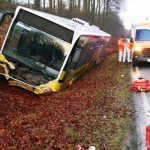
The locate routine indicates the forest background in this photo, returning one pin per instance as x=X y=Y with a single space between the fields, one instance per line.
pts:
x=102 y=13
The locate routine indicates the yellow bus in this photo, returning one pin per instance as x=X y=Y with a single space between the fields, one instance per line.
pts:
x=46 y=53
x=141 y=38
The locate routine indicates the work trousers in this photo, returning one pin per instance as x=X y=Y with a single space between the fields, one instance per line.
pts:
x=127 y=53
x=120 y=59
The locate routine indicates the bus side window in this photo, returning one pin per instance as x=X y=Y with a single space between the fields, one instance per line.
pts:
x=87 y=47
x=4 y=14
x=91 y=48
x=24 y=43
x=76 y=55
x=70 y=64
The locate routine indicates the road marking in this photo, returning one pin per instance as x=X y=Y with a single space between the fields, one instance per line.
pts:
x=145 y=103
x=146 y=107
x=137 y=72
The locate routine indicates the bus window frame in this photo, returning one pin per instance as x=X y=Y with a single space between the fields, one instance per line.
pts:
x=84 y=51
x=15 y=19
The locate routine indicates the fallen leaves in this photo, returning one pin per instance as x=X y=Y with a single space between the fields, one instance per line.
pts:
x=91 y=112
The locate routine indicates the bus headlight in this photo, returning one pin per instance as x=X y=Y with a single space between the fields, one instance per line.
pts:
x=47 y=89
x=137 y=48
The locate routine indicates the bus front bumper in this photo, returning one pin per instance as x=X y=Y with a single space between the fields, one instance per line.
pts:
x=6 y=66
x=141 y=59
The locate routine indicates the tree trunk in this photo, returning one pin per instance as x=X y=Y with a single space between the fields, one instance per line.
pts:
x=37 y=4
x=89 y=6
x=50 y=5
x=93 y=12
x=54 y=6
x=79 y=6
x=44 y=5
x=104 y=11
x=85 y=6
x=99 y=12
x=60 y=4
x=28 y=3
x=70 y=6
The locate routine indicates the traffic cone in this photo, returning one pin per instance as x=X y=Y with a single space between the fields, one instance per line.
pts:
x=140 y=85
x=148 y=137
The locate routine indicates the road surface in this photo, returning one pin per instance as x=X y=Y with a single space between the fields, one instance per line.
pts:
x=142 y=106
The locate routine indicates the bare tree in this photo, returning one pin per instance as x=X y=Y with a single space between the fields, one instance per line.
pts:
x=89 y=5
x=37 y=4
x=44 y=5
x=79 y=6
x=54 y=5
x=50 y=5
x=85 y=6
x=28 y=3
x=60 y=6
x=93 y=11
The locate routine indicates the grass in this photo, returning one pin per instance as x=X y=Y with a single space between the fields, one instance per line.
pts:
x=114 y=100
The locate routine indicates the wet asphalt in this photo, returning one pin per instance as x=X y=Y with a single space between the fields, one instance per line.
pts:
x=141 y=105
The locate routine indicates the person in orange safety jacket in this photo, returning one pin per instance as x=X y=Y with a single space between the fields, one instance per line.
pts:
x=131 y=47
x=120 y=49
x=127 y=51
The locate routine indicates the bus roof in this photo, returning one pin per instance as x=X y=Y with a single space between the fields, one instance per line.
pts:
x=75 y=24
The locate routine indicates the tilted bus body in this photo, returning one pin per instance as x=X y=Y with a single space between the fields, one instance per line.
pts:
x=141 y=39
x=45 y=53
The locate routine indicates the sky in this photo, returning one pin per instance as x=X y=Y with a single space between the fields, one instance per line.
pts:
x=135 y=11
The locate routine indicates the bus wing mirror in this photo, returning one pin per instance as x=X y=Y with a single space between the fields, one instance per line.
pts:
x=3 y=14
x=76 y=55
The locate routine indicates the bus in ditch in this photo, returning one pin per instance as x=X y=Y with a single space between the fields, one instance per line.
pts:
x=140 y=34
x=46 y=53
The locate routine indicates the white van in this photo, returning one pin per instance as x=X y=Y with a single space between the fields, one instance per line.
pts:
x=141 y=38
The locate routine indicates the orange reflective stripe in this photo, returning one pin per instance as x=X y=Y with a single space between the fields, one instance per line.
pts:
x=120 y=47
x=132 y=45
x=121 y=44
x=128 y=45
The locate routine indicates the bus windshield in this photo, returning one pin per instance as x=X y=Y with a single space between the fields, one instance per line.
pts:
x=35 y=53
x=142 y=35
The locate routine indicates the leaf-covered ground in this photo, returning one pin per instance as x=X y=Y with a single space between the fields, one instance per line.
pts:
x=94 y=111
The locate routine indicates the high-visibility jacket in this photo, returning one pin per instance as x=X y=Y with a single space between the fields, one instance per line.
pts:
x=121 y=44
x=131 y=45
x=127 y=44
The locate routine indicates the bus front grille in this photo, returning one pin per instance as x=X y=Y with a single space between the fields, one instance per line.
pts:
x=146 y=52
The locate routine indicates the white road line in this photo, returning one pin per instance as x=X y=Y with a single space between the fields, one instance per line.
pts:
x=146 y=107
x=145 y=103
x=137 y=71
